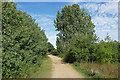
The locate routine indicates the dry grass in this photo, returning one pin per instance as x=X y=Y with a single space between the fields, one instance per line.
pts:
x=101 y=70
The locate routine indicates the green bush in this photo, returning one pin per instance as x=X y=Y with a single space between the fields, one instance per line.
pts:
x=23 y=42
x=69 y=56
x=107 y=52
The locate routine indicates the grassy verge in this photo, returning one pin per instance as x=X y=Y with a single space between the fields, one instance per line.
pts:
x=97 y=70
x=44 y=71
x=80 y=70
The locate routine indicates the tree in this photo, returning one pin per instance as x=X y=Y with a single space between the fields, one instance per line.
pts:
x=50 y=47
x=73 y=19
x=76 y=31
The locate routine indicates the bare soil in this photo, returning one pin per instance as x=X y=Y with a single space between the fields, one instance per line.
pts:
x=60 y=69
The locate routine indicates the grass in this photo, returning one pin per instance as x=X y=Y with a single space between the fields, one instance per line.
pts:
x=80 y=70
x=97 y=70
x=44 y=71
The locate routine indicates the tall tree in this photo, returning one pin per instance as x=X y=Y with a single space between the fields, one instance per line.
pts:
x=73 y=19
x=71 y=22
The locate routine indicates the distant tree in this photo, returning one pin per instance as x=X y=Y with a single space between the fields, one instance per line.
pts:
x=50 y=47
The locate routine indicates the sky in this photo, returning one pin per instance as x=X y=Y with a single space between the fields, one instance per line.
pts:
x=104 y=16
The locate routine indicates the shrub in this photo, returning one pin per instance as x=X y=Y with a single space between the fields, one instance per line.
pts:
x=24 y=43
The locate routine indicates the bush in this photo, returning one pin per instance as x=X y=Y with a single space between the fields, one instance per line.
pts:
x=107 y=52
x=69 y=56
x=24 y=43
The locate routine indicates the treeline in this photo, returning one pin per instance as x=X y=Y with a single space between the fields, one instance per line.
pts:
x=76 y=40
x=23 y=42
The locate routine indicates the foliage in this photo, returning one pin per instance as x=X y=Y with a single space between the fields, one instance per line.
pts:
x=54 y=52
x=24 y=43
x=50 y=47
x=43 y=71
x=106 y=52
x=76 y=33
x=77 y=41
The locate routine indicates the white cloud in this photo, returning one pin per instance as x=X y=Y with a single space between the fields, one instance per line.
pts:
x=106 y=8
x=50 y=16
x=75 y=1
x=92 y=7
x=105 y=21
x=114 y=26
x=105 y=18
x=109 y=8
x=43 y=19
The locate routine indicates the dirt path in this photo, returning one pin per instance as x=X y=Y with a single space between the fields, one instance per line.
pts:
x=63 y=70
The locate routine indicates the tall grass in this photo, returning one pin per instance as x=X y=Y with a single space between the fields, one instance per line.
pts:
x=98 y=70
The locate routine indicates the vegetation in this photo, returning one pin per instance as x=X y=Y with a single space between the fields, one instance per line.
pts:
x=23 y=42
x=44 y=71
x=76 y=33
x=97 y=70
x=50 y=47
x=77 y=39
x=77 y=42
x=0 y=58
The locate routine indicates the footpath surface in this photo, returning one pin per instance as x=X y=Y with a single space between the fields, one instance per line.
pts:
x=61 y=69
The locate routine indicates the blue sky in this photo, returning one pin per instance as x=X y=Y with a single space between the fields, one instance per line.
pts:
x=104 y=16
